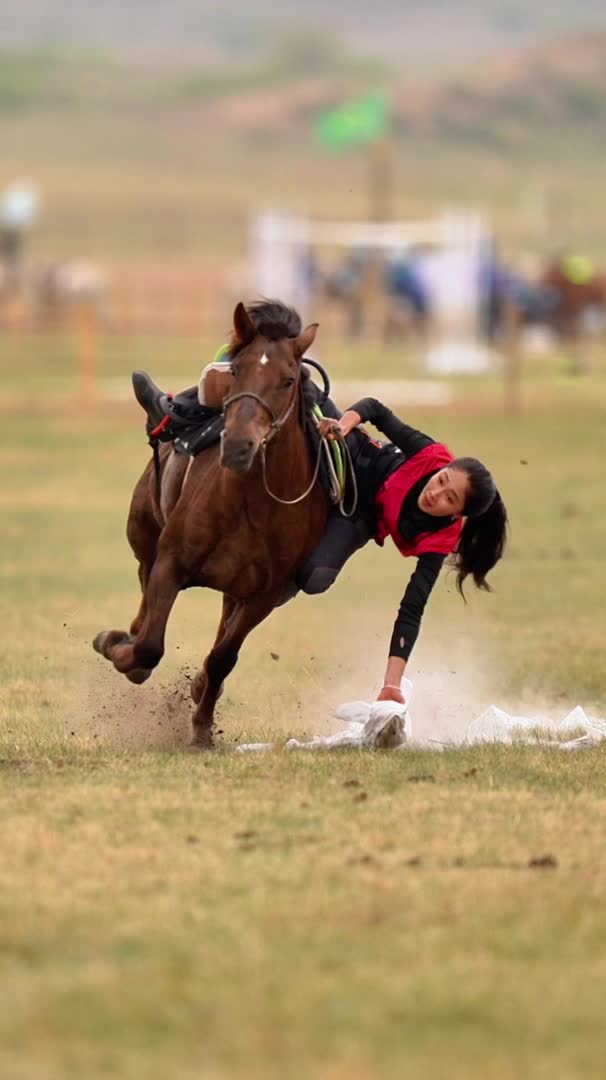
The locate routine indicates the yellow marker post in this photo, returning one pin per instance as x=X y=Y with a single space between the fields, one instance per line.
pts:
x=86 y=327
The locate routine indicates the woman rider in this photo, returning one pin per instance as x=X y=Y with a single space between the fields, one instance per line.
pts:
x=432 y=504
x=411 y=488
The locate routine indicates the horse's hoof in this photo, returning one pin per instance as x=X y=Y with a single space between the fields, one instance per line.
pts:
x=138 y=675
x=108 y=638
x=201 y=742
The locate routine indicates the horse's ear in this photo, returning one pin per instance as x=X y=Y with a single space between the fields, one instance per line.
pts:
x=244 y=329
x=305 y=339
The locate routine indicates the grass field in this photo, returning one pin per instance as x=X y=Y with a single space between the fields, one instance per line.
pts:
x=357 y=915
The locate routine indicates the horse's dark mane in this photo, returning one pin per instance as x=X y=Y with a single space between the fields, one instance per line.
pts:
x=308 y=391
x=273 y=319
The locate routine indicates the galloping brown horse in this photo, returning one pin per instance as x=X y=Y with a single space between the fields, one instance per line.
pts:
x=231 y=519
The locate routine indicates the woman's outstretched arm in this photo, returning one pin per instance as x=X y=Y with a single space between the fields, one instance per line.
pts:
x=408 y=622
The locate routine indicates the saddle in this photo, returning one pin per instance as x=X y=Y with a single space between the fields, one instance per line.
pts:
x=204 y=432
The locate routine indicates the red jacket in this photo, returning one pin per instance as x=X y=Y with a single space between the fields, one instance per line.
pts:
x=390 y=499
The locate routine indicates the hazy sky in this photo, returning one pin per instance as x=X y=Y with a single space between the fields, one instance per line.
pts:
x=207 y=27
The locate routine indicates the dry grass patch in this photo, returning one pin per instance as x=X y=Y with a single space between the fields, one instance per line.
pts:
x=260 y=915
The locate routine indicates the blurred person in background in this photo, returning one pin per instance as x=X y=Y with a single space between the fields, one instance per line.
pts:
x=410 y=302
x=18 y=211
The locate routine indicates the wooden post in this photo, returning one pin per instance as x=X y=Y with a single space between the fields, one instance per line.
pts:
x=380 y=209
x=381 y=179
x=513 y=358
x=87 y=350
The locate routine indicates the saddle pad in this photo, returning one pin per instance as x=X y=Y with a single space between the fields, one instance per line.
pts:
x=198 y=437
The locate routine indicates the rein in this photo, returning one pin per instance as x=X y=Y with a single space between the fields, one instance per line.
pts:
x=277 y=423
x=290 y=502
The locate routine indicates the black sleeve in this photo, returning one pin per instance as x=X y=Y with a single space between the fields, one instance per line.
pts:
x=406 y=627
x=406 y=438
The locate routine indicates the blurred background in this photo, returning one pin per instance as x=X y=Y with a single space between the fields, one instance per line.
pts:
x=425 y=180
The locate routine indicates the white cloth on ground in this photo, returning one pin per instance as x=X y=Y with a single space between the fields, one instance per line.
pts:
x=377 y=725
x=371 y=725
x=383 y=729
x=495 y=725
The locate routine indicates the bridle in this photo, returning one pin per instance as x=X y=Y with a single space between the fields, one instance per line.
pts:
x=277 y=422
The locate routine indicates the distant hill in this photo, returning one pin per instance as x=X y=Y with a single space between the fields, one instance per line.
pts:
x=516 y=95
x=521 y=95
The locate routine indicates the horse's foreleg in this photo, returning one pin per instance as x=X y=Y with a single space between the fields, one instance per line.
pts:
x=199 y=681
x=143 y=532
x=136 y=656
x=145 y=568
x=223 y=657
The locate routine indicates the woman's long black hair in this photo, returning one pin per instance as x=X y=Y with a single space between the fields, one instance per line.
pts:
x=484 y=534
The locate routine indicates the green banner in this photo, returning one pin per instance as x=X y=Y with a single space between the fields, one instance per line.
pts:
x=355 y=122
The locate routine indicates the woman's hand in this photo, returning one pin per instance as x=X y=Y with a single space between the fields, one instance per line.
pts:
x=392 y=681
x=392 y=693
x=331 y=429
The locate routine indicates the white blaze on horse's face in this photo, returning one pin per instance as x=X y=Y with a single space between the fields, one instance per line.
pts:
x=264 y=394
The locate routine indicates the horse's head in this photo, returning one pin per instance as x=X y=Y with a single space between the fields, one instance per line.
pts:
x=266 y=366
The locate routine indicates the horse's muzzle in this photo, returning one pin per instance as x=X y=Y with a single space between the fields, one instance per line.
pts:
x=237 y=454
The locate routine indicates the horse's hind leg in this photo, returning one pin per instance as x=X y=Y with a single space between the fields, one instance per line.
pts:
x=222 y=659
x=136 y=656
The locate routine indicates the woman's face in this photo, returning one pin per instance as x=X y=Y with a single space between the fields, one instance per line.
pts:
x=445 y=493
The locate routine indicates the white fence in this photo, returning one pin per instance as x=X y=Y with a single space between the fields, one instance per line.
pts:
x=448 y=255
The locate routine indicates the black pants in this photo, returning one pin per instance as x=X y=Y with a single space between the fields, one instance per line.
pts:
x=342 y=537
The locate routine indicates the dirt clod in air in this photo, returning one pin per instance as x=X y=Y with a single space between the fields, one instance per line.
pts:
x=542 y=862
x=361 y=860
